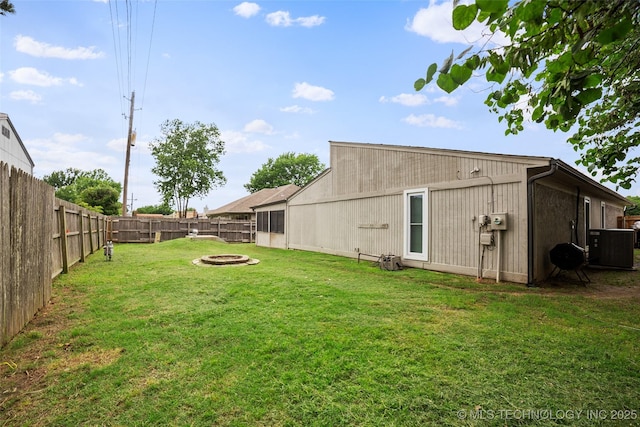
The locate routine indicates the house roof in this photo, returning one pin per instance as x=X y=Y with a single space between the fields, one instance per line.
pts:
x=4 y=116
x=265 y=196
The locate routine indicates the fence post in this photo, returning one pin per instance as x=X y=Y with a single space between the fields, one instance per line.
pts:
x=90 y=233
x=82 y=248
x=63 y=239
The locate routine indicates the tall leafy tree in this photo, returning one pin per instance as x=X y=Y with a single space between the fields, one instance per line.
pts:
x=93 y=189
x=6 y=7
x=62 y=178
x=288 y=168
x=570 y=65
x=104 y=196
x=635 y=209
x=187 y=157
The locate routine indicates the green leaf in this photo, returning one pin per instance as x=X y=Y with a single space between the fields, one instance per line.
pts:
x=463 y=16
x=447 y=64
x=494 y=76
x=419 y=84
x=492 y=6
x=538 y=114
x=617 y=32
x=446 y=83
x=588 y=96
x=460 y=74
x=500 y=64
x=592 y=80
x=531 y=11
x=431 y=71
x=473 y=62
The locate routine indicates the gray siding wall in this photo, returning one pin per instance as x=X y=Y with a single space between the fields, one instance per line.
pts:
x=455 y=231
x=368 y=169
x=358 y=207
x=369 y=225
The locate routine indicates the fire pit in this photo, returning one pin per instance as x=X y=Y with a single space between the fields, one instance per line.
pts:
x=225 y=259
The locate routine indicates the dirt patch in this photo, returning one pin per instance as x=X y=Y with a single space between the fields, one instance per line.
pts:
x=30 y=362
x=607 y=283
x=603 y=284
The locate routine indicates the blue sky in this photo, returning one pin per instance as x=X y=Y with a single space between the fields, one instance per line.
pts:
x=274 y=76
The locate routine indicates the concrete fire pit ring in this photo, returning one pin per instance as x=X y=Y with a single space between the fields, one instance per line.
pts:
x=224 y=259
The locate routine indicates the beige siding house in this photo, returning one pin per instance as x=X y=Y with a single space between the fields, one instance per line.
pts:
x=480 y=214
x=12 y=150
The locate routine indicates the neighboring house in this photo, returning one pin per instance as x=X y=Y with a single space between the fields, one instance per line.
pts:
x=241 y=209
x=12 y=150
x=426 y=205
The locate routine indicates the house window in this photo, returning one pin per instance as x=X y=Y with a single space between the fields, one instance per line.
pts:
x=603 y=219
x=587 y=219
x=270 y=221
x=276 y=222
x=263 y=221
x=5 y=132
x=415 y=217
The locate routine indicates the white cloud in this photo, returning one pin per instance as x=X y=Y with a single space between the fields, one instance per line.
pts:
x=283 y=18
x=279 y=19
x=32 y=47
x=26 y=95
x=31 y=76
x=118 y=144
x=246 y=9
x=68 y=150
x=166 y=55
x=312 y=93
x=406 y=99
x=432 y=121
x=435 y=23
x=238 y=142
x=449 y=101
x=1 y=77
x=310 y=21
x=258 y=126
x=296 y=109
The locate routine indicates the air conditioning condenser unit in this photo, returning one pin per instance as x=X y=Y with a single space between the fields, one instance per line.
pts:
x=611 y=247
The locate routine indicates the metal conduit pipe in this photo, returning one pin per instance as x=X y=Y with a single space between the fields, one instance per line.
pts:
x=553 y=163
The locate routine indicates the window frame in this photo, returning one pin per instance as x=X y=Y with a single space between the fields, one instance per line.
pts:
x=276 y=221
x=408 y=253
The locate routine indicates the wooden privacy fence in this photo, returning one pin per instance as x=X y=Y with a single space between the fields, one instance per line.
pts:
x=145 y=230
x=40 y=237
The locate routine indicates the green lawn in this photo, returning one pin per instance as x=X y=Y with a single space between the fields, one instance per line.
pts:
x=306 y=339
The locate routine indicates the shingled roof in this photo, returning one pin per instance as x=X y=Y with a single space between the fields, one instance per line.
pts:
x=263 y=197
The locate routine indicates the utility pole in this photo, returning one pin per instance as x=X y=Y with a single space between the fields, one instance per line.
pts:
x=128 y=158
x=131 y=204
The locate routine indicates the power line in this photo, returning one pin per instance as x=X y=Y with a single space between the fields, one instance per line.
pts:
x=128 y=58
x=146 y=73
x=115 y=23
